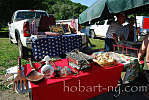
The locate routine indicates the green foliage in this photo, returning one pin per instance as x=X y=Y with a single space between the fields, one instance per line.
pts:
x=62 y=9
x=2 y=72
x=3 y=86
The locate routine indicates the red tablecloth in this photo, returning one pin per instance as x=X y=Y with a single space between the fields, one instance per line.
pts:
x=95 y=81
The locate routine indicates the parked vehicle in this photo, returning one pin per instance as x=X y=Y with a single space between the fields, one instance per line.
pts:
x=98 y=29
x=19 y=29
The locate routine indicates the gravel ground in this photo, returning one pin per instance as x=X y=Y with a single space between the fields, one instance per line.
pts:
x=8 y=93
x=11 y=95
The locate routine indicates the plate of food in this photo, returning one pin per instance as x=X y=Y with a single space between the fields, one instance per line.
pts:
x=104 y=59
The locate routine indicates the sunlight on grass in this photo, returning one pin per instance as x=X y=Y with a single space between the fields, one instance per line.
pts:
x=8 y=53
x=99 y=43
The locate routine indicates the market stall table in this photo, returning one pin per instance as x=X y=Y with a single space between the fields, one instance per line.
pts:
x=131 y=65
x=94 y=81
x=55 y=45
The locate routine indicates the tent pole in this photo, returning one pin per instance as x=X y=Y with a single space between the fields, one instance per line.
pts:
x=136 y=26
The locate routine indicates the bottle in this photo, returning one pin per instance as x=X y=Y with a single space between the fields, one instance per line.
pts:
x=47 y=70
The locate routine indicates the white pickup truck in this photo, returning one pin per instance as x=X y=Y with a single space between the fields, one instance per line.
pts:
x=98 y=29
x=19 y=29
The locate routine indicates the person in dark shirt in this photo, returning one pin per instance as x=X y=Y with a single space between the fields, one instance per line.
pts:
x=130 y=31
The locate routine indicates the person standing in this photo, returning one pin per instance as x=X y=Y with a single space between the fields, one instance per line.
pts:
x=130 y=30
x=144 y=50
x=115 y=30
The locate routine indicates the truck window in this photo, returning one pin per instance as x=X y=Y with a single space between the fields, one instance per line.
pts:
x=25 y=15
x=39 y=14
x=29 y=15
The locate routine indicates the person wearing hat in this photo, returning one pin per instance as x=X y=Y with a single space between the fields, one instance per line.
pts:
x=114 y=31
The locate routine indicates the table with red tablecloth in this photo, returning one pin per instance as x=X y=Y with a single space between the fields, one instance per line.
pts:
x=89 y=83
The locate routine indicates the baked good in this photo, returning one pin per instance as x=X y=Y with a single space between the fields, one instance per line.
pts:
x=104 y=59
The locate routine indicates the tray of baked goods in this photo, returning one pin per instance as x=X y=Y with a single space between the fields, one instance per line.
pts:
x=104 y=59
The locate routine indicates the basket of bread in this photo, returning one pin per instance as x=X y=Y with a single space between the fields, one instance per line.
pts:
x=104 y=59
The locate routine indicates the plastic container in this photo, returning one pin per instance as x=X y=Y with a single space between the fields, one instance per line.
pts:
x=47 y=70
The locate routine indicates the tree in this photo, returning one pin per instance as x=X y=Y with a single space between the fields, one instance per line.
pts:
x=7 y=7
x=65 y=9
x=62 y=9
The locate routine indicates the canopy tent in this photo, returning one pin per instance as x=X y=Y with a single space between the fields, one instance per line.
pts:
x=102 y=9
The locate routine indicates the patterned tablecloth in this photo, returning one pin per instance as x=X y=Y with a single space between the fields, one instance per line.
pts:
x=131 y=66
x=55 y=46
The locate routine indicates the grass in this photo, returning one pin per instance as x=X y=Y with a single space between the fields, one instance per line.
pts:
x=8 y=53
x=99 y=43
x=8 y=58
x=4 y=29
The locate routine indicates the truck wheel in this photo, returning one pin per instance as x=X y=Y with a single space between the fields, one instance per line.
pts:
x=23 y=53
x=92 y=33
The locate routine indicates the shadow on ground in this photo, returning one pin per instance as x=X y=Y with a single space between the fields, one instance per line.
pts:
x=135 y=90
x=129 y=96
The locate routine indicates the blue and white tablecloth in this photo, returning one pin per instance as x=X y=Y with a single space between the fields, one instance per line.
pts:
x=55 y=46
